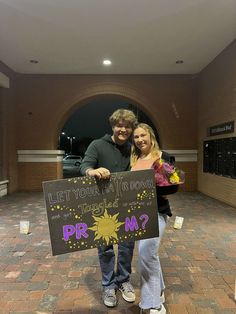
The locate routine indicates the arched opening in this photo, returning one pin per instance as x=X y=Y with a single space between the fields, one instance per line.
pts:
x=91 y=121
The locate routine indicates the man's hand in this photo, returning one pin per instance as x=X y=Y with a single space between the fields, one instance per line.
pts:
x=100 y=173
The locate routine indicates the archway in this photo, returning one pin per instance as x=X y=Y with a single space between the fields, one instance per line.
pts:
x=90 y=120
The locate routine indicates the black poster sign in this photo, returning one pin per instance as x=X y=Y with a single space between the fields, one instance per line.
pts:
x=224 y=128
x=84 y=213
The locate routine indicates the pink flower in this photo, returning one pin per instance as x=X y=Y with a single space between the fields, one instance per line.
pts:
x=166 y=174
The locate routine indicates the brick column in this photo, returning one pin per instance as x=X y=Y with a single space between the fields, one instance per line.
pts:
x=186 y=160
x=36 y=166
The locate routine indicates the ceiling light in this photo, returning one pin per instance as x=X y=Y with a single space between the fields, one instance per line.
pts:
x=106 y=62
x=179 y=61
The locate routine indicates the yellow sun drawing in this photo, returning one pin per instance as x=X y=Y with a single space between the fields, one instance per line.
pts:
x=106 y=227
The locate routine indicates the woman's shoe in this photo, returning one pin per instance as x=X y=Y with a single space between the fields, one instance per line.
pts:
x=162 y=310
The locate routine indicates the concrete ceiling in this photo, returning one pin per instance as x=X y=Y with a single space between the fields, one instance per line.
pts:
x=139 y=36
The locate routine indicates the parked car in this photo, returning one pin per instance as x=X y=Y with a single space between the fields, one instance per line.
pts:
x=72 y=160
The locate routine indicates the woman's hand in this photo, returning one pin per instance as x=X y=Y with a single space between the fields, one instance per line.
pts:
x=100 y=173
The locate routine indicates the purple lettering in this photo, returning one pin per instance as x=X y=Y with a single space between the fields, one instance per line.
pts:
x=81 y=230
x=145 y=219
x=131 y=224
x=68 y=231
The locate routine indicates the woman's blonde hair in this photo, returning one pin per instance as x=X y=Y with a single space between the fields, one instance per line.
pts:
x=155 y=150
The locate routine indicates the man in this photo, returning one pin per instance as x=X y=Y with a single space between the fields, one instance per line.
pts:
x=111 y=153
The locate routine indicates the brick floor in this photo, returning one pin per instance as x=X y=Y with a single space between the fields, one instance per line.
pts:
x=198 y=261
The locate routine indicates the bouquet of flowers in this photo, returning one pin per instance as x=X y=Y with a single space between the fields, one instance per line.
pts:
x=167 y=175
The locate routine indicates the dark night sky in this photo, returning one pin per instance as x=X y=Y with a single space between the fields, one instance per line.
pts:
x=92 y=120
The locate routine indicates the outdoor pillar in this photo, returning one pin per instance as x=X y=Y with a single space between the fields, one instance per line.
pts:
x=36 y=166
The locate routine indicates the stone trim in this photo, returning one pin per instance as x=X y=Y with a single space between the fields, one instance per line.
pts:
x=3 y=187
x=57 y=155
x=40 y=155
x=4 y=81
x=184 y=155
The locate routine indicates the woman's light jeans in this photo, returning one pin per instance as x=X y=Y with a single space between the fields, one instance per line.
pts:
x=152 y=283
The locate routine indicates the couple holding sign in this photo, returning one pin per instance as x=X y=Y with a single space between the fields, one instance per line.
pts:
x=113 y=153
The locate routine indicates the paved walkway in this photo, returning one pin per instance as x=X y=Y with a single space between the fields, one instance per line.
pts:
x=199 y=262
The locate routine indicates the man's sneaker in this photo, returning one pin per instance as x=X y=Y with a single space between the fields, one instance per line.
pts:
x=109 y=297
x=162 y=297
x=162 y=310
x=127 y=291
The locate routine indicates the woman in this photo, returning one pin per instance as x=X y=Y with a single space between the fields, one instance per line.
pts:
x=145 y=151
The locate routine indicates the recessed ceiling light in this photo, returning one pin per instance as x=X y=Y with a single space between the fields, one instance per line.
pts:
x=179 y=61
x=106 y=62
x=34 y=61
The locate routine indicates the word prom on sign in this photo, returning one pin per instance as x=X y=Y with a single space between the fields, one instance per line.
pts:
x=80 y=229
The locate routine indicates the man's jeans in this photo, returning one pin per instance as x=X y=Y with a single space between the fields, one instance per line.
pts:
x=110 y=278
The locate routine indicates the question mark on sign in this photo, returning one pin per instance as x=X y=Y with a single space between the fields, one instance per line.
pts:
x=144 y=219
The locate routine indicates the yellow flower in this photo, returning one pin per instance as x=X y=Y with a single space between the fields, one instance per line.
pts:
x=174 y=178
x=160 y=161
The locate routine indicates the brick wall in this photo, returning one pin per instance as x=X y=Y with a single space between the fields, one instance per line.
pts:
x=181 y=107
x=32 y=174
x=217 y=104
x=190 y=169
x=42 y=104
